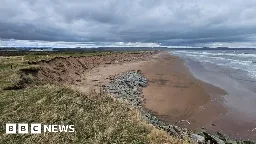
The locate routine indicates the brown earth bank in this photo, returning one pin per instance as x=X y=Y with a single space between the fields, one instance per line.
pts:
x=72 y=70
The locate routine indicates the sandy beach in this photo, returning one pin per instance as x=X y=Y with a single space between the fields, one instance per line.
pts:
x=176 y=96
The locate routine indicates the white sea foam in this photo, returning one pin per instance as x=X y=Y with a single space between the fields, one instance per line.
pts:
x=236 y=60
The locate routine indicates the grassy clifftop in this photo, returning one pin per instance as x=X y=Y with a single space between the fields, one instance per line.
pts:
x=97 y=118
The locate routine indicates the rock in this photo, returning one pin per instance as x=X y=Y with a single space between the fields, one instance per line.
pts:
x=213 y=138
x=127 y=87
x=222 y=136
x=248 y=142
x=231 y=142
x=198 y=138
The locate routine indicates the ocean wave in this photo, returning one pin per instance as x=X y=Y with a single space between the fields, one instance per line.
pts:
x=238 y=60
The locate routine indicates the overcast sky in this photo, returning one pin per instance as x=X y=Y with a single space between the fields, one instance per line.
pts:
x=128 y=22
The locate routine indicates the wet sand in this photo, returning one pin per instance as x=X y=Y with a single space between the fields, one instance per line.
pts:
x=240 y=120
x=175 y=96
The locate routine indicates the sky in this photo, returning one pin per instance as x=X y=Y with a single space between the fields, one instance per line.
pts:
x=92 y=23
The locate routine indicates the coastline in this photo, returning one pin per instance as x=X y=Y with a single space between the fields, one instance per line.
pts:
x=174 y=100
x=173 y=93
x=175 y=96
x=239 y=122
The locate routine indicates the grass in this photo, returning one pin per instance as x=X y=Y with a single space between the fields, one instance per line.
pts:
x=97 y=119
x=37 y=56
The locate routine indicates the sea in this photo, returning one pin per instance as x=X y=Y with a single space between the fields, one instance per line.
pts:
x=235 y=72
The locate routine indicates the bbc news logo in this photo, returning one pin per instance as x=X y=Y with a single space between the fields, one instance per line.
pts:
x=22 y=128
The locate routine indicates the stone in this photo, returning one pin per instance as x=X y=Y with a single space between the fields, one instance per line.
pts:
x=198 y=138
x=213 y=138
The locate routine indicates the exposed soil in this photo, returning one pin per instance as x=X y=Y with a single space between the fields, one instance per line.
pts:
x=72 y=70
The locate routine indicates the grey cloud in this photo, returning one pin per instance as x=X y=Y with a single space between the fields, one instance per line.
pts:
x=178 y=22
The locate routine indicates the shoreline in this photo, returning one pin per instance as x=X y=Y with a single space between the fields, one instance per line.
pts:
x=239 y=122
x=176 y=96
x=122 y=87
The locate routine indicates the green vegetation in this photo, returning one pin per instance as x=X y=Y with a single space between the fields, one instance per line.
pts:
x=97 y=118
x=36 y=56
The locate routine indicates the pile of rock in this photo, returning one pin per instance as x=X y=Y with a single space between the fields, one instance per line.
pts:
x=127 y=86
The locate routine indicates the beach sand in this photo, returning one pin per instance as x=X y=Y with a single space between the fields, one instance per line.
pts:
x=175 y=96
